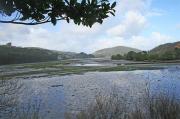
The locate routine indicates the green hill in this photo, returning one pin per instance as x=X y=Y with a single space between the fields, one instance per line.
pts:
x=72 y=55
x=165 y=52
x=168 y=47
x=108 y=52
x=14 y=55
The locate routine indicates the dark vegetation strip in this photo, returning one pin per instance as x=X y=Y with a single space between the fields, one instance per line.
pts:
x=167 y=56
x=50 y=70
x=113 y=106
x=15 y=55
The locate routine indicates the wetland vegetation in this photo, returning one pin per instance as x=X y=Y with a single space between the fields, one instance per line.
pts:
x=59 y=88
x=65 y=67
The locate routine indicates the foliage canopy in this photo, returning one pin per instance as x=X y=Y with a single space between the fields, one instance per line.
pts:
x=14 y=55
x=146 y=56
x=33 y=12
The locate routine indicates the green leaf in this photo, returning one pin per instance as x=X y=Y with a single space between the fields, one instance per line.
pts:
x=83 y=2
x=112 y=13
x=89 y=2
x=94 y=2
x=86 y=12
x=67 y=2
x=53 y=20
x=100 y=21
x=72 y=2
x=113 y=5
x=67 y=20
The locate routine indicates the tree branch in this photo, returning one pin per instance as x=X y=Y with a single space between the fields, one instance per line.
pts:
x=36 y=23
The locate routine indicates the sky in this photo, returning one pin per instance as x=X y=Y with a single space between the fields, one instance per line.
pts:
x=142 y=24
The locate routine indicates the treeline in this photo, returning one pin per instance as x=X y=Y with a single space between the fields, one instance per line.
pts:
x=83 y=55
x=13 y=55
x=71 y=55
x=148 y=56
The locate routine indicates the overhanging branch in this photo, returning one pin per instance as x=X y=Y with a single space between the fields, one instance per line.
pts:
x=25 y=23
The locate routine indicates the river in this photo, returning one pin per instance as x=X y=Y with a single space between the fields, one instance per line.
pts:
x=53 y=96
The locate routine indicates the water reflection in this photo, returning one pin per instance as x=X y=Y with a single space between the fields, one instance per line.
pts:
x=51 y=97
x=9 y=90
x=12 y=106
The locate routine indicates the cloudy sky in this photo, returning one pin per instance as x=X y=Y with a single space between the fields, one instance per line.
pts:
x=141 y=24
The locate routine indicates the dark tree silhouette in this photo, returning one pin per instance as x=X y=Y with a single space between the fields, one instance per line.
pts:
x=33 y=12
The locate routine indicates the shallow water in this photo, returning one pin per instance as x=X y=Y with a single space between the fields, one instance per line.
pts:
x=72 y=93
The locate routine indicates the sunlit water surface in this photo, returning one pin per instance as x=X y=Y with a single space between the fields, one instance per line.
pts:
x=72 y=93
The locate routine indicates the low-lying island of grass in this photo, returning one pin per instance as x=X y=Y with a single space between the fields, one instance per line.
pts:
x=44 y=69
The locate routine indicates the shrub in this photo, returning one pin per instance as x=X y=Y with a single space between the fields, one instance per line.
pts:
x=149 y=107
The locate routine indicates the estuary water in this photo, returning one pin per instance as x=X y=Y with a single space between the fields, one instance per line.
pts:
x=53 y=96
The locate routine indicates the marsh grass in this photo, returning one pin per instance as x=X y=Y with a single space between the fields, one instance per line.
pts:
x=9 y=90
x=158 y=106
x=62 y=68
x=31 y=110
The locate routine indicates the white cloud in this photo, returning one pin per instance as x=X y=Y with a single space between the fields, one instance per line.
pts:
x=125 y=29
x=132 y=25
x=72 y=38
x=155 y=12
x=133 y=20
x=67 y=40
x=133 y=5
x=149 y=42
x=178 y=26
x=139 y=42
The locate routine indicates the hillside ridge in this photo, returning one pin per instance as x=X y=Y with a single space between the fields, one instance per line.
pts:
x=167 y=47
x=108 y=52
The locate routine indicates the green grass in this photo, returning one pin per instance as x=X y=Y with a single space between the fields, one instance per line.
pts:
x=115 y=106
x=61 y=68
x=53 y=64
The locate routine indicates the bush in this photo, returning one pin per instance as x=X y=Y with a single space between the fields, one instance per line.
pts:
x=150 y=107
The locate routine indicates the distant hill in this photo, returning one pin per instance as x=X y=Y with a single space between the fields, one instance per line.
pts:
x=73 y=55
x=13 y=55
x=108 y=52
x=168 y=47
x=61 y=54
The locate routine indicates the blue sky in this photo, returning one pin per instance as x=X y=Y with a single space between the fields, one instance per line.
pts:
x=142 y=24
